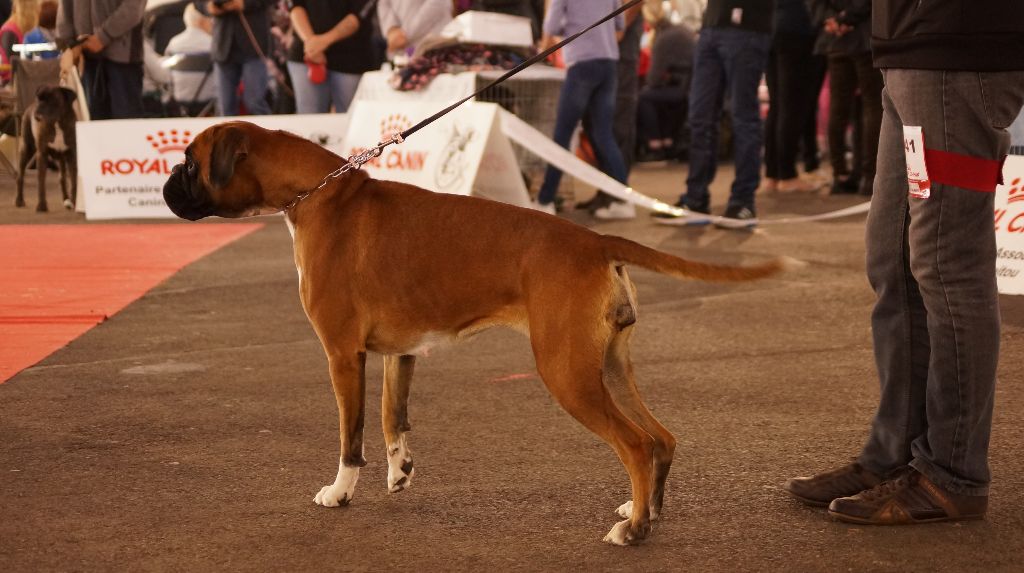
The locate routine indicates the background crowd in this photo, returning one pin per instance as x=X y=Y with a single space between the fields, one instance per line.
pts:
x=688 y=80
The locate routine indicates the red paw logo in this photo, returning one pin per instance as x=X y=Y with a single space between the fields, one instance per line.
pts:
x=392 y=124
x=170 y=140
x=1016 y=191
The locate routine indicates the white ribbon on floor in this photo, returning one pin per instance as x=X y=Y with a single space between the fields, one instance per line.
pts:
x=537 y=143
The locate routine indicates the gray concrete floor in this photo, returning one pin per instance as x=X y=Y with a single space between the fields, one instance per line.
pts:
x=191 y=431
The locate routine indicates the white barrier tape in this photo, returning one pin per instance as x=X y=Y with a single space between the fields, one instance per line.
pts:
x=540 y=145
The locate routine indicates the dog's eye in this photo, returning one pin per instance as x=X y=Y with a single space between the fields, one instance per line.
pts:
x=190 y=167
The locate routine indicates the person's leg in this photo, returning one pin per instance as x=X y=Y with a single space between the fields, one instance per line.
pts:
x=124 y=84
x=572 y=102
x=343 y=89
x=747 y=55
x=952 y=256
x=869 y=81
x=255 y=79
x=775 y=101
x=793 y=88
x=309 y=97
x=96 y=94
x=601 y=111
x=228 y=75
x=898 y=322
x=842 y=85
x=705 y=110
x=810 y=154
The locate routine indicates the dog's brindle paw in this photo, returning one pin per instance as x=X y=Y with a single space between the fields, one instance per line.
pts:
x=623 y=534
x=69 y=205
x=400 y=466
x=42 y=208
x=19 y=202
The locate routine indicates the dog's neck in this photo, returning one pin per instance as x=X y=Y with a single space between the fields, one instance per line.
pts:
x=284 y=185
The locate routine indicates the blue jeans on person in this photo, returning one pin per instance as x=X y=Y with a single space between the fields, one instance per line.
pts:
x=252 y=73
x=339 y=88
x=932 y=265
x=589 y=89
x=726 y=60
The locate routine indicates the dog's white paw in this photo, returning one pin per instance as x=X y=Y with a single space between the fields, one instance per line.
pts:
x=69 y=205
x=330 y=496
x=620 y=534
x=400 y=466
x=625 y=511
x=341 y=491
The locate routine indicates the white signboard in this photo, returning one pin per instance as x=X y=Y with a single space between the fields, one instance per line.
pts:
x=463 y=153
x=123 y=164
x=1009 y=220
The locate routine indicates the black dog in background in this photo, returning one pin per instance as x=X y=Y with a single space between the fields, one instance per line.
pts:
x=48 y=132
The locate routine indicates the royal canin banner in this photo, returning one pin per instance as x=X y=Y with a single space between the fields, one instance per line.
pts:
x=1009 y=221
x=123 y=164
x=463 y=153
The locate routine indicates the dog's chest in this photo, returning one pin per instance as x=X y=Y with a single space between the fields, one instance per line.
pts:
x=58 y=143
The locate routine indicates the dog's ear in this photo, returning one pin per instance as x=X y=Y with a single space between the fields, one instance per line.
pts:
x=70 y=96
x=41 y=89
x=231 y=147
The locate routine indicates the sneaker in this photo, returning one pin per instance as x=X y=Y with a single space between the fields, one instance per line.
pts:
x=908 y=499
x=737 y=217
x=617 y=210
x=820 y=489
x=693 y=218
x=548 y=208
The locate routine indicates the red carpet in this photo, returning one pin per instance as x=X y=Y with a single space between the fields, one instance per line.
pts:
x=58 y=281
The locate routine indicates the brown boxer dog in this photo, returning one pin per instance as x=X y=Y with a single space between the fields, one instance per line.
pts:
x=395 y=269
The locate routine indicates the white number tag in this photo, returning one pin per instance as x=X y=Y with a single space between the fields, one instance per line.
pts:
x=917 y=171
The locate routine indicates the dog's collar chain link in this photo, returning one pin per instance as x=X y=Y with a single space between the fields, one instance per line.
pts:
x=354 y=162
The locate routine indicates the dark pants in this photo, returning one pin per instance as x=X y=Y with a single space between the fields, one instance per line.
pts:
x=113 y=89
x=252 y=75
x=589 y=89
x=734 y=60
x=931 y=263
x=809 y=151
x=848 y=76
x=627 y=92
x=660 y=112
x=790 y=78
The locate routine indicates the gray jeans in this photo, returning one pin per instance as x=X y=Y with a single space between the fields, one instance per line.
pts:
x=931 y=263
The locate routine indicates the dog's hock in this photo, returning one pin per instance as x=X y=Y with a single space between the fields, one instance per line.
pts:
x=342 y=490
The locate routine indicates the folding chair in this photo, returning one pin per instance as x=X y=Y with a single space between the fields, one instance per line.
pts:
x=192 y=63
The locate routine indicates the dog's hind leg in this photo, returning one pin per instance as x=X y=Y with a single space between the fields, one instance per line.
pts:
x=570 y=363
x=349 y=382
x=26 y=150
x=395 y=419
x=41 y=167
x=621 y=383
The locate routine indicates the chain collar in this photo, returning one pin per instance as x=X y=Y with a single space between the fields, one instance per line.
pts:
x=354 y=162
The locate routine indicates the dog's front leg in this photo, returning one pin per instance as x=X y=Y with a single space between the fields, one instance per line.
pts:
x=68 y=201
x=41 y=168
x=349 y=382
x=395 y=418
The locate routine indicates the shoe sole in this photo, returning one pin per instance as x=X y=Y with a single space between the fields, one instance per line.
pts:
x=866 y=521
x=808 y=501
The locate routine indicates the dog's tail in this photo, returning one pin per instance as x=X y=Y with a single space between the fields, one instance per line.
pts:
x=619 y=250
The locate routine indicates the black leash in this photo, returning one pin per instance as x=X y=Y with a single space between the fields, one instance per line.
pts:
x=357 y=161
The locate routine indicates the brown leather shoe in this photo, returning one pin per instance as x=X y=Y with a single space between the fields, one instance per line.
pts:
x=908 y=499
x=820 y=489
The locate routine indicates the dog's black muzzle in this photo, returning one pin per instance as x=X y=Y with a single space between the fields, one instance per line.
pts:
x=185 y=198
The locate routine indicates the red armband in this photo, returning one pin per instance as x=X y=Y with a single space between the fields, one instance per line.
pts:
x=964 y=171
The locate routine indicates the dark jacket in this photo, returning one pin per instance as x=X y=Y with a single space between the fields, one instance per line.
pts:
x=755 y=15
x=856 y=13
x=231 y=42
x=117 y=23
x=966 y=35
x=354 y=54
